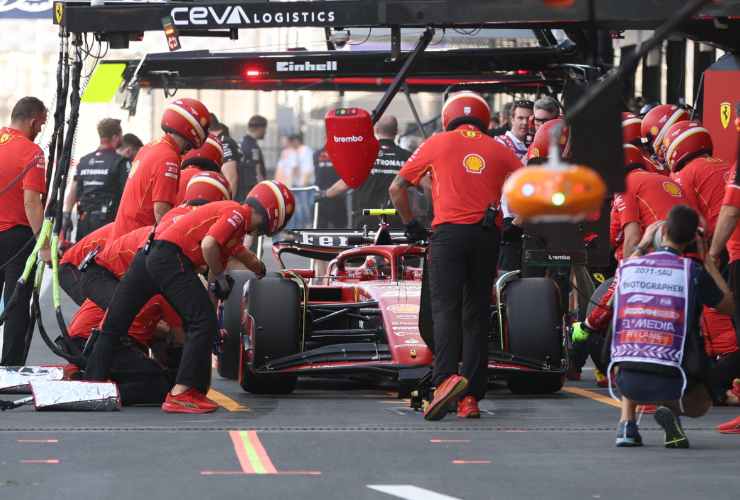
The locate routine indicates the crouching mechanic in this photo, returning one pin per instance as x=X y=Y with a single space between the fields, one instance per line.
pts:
x=656 y=344
x=468 y=169
x=75 y=260
x=140 y=378
x=205 y=237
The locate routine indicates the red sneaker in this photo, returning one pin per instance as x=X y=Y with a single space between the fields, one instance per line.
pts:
x=467 y=407
x=647 y=409
x=445 y=392
x=190 y=401
x=731 y=427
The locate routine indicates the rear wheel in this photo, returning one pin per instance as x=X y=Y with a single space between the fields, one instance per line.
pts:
x=228 y=358
x=274 y=303
x=534 y=324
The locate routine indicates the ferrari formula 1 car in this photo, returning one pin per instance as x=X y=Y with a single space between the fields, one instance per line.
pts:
x=366 y=318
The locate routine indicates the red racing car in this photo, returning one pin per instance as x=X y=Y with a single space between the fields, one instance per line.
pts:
x=366 y=319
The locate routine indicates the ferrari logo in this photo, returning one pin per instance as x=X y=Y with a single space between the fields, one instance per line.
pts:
x=672 y=189
x=5 y=138
x=473 y=163
x=470 y=134
x=58 y=12
x=725 y=112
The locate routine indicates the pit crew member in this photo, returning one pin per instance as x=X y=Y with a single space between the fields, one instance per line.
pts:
x=140 y=379
x=374 y=191
x=468 y=169
x=654 y=127
x=22 y=187
x=656 y=342
x=231 y=154
x=70 y=274
x=151 y=189
x=207 y=236
x=130 y=146
x=207 y=158
x=98 y=184
x=105 y=269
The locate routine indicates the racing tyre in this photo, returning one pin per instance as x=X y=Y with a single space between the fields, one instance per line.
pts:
x=228 y=358
x=534 y=325
x=275 y=305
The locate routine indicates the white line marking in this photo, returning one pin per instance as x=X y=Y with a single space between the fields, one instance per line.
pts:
x=409 y=492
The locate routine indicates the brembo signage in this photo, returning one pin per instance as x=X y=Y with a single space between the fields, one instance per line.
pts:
x=238 y=15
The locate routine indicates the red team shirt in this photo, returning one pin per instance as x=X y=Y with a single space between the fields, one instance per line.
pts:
x=90 y=316
x=468 y=171
x=18 y=156
x=117 y=256
x=154 y=178
x=732 y=198
x=226 y=221
x=185 y=176
x=79 y=250
x=703 y=181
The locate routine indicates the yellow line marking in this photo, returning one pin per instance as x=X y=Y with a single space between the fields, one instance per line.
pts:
x=592 y=395
x=226 y=402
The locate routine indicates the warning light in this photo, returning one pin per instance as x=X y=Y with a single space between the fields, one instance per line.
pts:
x=522 y=72
x=558 y=199
x=252 y=73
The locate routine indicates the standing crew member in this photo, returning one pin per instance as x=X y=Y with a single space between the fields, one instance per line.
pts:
x=374 y=191
x=151 y=189
x=468 y=170
x=98 y=184
x=207 y=236
x=22 y=187
x=251 y=169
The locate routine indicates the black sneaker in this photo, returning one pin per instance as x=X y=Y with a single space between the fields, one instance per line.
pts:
x=628 y=434
x=675 y=437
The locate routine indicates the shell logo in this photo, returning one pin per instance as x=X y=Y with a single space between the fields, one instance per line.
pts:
x=474 y=163
x=5 y=138
x=672 y=189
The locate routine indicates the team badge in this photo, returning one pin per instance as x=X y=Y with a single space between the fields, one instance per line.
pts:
x=5 y=138
x=672 y=189
x=58 y=12
x=725 y=113
x=473 y=163
x=470 y=134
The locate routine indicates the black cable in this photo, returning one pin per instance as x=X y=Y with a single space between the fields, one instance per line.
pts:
x=369 y=32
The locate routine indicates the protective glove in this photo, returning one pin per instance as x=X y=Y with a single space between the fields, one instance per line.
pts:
x=221 y=286
x=511 y=233
x=416 y=232
x=262 y=271
x=580 y=332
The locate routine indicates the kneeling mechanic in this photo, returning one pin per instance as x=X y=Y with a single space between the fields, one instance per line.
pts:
x=207 y=236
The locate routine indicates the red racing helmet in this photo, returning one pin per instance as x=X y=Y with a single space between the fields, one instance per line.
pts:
x=208 y=186
x=540 y=147
x=465 y=107
x=685 y=141
x=276 y=201
x=189 y=119
x=631 y=129
x=657 y=122
x=633 y=157
x=209 y=156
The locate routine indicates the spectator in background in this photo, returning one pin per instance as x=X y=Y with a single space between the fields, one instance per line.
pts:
x=494 y=123
x=504 y=118
x=546 y=108
x=232 y=155
x=296 y=170
x=130 y=145
x=516 y=138
x=252 y=167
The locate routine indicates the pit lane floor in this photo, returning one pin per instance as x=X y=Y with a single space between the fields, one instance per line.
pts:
x=332 y=440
